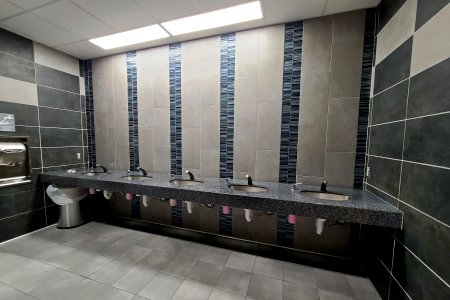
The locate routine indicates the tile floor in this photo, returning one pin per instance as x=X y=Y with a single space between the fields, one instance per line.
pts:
x=99 y=261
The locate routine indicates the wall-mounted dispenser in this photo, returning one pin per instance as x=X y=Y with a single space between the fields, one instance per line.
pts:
x=15 y=167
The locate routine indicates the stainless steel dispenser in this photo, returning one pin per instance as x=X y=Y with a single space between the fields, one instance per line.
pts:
x=14 y=161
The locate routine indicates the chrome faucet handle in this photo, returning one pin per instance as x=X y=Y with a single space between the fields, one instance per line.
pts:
x=128 y=172
x=172 y=176
x=294 y=185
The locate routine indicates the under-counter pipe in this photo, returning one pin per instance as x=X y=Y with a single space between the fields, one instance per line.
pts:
x=319 y=225
x=107 y=194
x=248 y=214
x=145 y=200
x=189 y=206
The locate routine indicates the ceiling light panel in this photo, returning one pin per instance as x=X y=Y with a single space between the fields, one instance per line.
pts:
x=131 y=37
x=223 y=17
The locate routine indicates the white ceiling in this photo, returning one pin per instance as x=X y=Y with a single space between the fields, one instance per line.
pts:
x=68 y=25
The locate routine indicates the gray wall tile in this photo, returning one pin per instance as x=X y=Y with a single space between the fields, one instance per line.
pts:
x=390 y=105
x=16 y=68
x=57 y=79
x=339 y=168
x=58 y=99
x=387 y=140
x=16 y=45
x=50 y=117
x=342 y=124
x=317 y=35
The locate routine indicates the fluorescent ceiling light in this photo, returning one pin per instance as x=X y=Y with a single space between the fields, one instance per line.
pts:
x=135 y=36
x=232 y=15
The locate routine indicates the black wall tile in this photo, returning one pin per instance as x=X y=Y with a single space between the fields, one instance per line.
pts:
x=57 y=79
x=394 y=68
x=54 y=137
x=426 y=9
x=427 y=189
x=427 y=239
x=16 y=45
x=396 y=292
x=21 y=202
x=52 y=212
x=387 y=140
x=31 y=132
x=16 y=68
x=35 y=157
x=50 y=117
x=23 y=114
x=387 y=10
x=427 y=140
x=379 y=242
x=390 y=105
x=58 y=99
x=384 y=174
x=429 y=92
x=83 y=103
x=382 y=195
x=377 y=273
x=415 y=278
x=21 y=224
x=60 y=156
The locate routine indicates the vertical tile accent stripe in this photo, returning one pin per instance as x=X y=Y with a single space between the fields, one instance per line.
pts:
x=90 y=126
x=364 y=100
x=227 y=74
x=133 y=136
x=175 y=107
x=293 y=37
x=290 y=109
x=175 y=124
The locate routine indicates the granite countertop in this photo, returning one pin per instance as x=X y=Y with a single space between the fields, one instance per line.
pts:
x=362 y=207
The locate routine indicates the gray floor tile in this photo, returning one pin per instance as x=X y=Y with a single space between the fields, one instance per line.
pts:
x=333 y=281
x=81 y=240
x=299 y=274
x=262 y=287
x=133 y=254
x=217 y=294
x=156 y=260
x=362 y=288
x=21 y=270
x=35 y=278
x=115 y=249
x=87 y=289
x=45 y=250
x=216 y=256
x=111 y=272
x=58 y=235
x=138 y=298
x=193 y=250
x=152 y=241
x=329 y=295
x=268 y=267
x=21 y=243
x=56 y=288
x=234 y=281
x=295 y=291
x=10 y=293
x=172 y=246
x=179 y=266
x=241 y=261
x=206 y=273
x=192 y=291
x=135 y=279
x=9 y=260
x=161 y=287
x=96 y=246
x=111 y=293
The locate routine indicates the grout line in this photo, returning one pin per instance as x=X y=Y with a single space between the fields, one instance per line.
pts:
x=77 y=111
x=25 y=212
x=57 y=147
x=61 y=128
x=29 y=233
x=374 y=95
x=403 y=144
x=409 y=161
x=412 y=118
x=53 y=88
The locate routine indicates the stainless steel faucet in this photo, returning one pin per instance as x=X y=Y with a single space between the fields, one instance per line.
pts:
x=249 y=180
x=142 y=170
x=191 y=176
x=105 y=170
x=323 y=187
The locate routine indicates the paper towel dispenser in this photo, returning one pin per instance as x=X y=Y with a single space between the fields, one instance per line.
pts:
x=14 y=161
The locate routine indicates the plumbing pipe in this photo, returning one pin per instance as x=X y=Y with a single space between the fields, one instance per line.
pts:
x=92 y=191
x=226 y=210
x=248 y=214
x=107 y=194
x=145 y=200
x=173 y=202
x=319 y=225
x=129 y=196
x=292 y=219
x=189 y=206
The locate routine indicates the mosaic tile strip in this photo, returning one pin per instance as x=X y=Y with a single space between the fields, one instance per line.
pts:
x=293 y=40
x=176 y=214
x=175 y=107
x=90 y=126
x=133 y=134
x=225 y=222
x=364 y=98
x=293 y=37
x=227 y=74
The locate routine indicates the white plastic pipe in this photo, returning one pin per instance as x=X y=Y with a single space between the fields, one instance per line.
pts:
x=319 y=225
x=189 y=206
x=248 y=214
x=107 y=194
x=145 y=200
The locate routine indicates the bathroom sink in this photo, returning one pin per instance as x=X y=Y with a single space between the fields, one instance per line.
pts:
x=185 y=182
x=326 y=195
x=94 y=173
x=136 y=177
x=247 y=188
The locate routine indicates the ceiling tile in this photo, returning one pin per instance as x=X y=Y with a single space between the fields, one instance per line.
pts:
x=218 y=4
x=72 y=18
x=119 y=14
x=169 y=9
x=291 y=10
x=41 y=30
x=28 y=4
x=7 y=9
x=338 y=6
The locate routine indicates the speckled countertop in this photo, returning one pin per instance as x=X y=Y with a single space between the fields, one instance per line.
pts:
x=362 y=207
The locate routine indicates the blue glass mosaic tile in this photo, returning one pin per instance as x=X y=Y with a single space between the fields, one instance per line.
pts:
x=90 y=126
x=364 y=100
x=175 y=107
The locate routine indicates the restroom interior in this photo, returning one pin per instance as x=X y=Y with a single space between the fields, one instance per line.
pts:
x=349 y=92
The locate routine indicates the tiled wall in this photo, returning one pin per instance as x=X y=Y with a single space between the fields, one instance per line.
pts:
x=43 y=89
x=228 y=106
x=408 y=150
